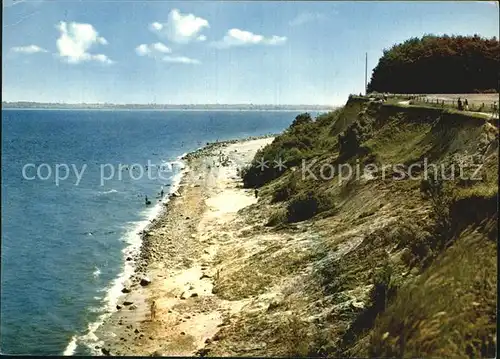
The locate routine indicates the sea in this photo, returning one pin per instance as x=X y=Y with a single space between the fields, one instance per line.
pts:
x=73 y=193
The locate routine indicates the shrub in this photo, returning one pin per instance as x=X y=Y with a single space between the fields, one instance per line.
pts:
x=242 y=172
x=302 y=119
x=286 y=190
x=441 y=196
x=417 y=239
x=383 y=291
x=383 y=288
x=277 y=217
x=304 y=139
x=307 y=205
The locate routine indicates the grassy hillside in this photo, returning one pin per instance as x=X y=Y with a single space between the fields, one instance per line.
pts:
x=399 y=260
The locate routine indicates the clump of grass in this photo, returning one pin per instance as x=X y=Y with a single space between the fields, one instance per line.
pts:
x=285 y=190
x=383 y=291
x=416 y=238
x=307 y=204
x=450 y=311
x=301 y=207
x=279 y=216
x=277 y=335
x=293 y=331
x=384 y=288
x=440 y=193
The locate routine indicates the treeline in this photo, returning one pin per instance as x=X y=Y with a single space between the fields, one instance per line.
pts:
x=439 y=64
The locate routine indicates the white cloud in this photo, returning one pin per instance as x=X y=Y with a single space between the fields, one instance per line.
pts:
x=237 y=37
x=306 y=17
x=158 y=51
x=30 y=49
x=181 y=60
x=76 y=39
x=275 y=40
x=142 y=50
x=181 y=28
x=101 y=58
x=102 y=40
x=161 y=48
x=152 y=50
x=156 y=26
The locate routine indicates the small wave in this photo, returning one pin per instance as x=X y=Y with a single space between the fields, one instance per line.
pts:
x=96 y=310
x=134 y=241
x=108 y=192
x=96 y=273
x=71 y=348
x=171 y=166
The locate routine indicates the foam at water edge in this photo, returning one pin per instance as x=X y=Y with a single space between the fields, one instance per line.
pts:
x=108 y=192
x=114 y=292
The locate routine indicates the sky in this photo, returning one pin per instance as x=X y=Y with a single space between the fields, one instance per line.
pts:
x=213 y=52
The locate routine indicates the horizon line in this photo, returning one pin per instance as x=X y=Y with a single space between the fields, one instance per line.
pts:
x=161 y=104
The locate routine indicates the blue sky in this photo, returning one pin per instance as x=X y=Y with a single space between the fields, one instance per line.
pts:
x=212 y=52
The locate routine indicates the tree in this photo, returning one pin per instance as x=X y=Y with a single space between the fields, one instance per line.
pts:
x=438 y=64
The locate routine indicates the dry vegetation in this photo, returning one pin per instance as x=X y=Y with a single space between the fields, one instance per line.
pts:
x=388 y=267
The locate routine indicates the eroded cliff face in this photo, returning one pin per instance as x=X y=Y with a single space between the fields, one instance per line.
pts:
x=397 y=259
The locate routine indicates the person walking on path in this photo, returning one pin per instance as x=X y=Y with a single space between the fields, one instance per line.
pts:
x=153 y=310
x=466 y=105
x=459 y=103
x=495 y=110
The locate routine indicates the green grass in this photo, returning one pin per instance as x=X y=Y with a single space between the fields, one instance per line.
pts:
x=429 y=269
x=399 y=142
x=450 y=311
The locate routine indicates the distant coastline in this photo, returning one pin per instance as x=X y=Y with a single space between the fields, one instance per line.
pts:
x=201 y=107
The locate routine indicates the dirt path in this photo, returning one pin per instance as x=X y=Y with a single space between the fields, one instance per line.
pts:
x=486 y=114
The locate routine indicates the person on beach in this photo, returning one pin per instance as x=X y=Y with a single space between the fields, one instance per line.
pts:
x=161 y=193
x=459 y=103
x=153 y=310
x=147 y=201
x=466 y=105
x=256 y=193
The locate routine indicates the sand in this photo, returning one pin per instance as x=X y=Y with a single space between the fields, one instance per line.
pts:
x=179 y=257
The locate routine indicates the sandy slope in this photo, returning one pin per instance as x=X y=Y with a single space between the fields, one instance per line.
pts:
x=179 y=255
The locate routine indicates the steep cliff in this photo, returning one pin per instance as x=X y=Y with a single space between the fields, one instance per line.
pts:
x=378 y=237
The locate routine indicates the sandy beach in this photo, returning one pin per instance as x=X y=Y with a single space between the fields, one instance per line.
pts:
x=168 y=306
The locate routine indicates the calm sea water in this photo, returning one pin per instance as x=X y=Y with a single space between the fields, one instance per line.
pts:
x=63 y=246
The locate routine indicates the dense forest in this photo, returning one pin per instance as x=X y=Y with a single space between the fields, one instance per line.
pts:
x=439 y=64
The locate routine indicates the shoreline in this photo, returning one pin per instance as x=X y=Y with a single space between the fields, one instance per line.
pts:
x=130 y=255
x=132 y=305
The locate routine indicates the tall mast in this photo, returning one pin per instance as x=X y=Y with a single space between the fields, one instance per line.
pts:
x=366 y=73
